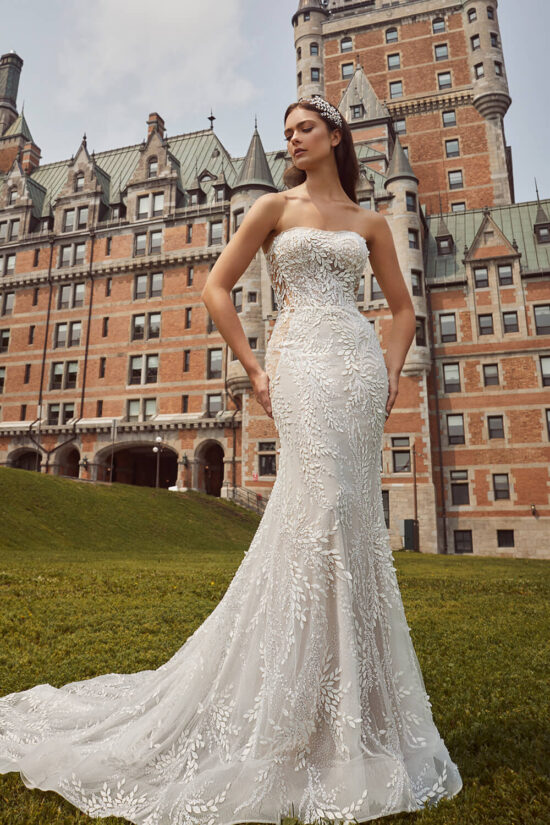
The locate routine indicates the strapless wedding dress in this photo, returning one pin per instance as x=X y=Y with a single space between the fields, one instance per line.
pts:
x=301 y=693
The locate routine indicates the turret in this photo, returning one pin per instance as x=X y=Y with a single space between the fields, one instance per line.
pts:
x=308 y=42
x=10 y=71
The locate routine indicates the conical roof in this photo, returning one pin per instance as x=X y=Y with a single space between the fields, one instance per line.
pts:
x=399 y=165
x=255 y=168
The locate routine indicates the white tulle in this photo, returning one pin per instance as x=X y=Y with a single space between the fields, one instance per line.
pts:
x=301 y=692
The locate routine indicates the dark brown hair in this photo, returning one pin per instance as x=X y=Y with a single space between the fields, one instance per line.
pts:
x=345 y=156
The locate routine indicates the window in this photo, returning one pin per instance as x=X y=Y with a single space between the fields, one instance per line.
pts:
x=494 y=40
x=155 y=241
x=347 y=70
x=75 y=333
x=459 y=206
x=346 y=44
x=3 y=231
x=360 y=297
x=102 y=364
x=185 y=403
x=447 y=327
x=490 y=13
x=136 y=369
x=394 y=61
x=495 y=426
x=505 y=538
x=542 y=319
x=31 y=334
x=472 y=15
x=490 y=375
x=510 y=321
x=14 y=229
x=481 y=277
x=216 y=230
x=82 y=217
x=401 y=454
x=132 y=409
x=501 y=488
x=151 y=369
x=35 y=293
x=105 y=327
x=153 y=325
x=455 y=179
x=411 y=201
x=79 y=253
x=68 y=220
x=400 y=126
x=376 y=291
x=158 y=203
x=10 y=265
x=455 y=428
x=149 y=408
x=213 y=404
x=7 y=303
x=79 y=182
x=475 y=42
x=237 y=219
x=413 y=238
x=2 y=378
x=299 y=78
x=420 y=332
x=71 y=371
x=190 y=273
x=186 y=359
x=99 y=408
x=23 y=412
x=108 y=244
x=306 y=15
x=78 y=295
x=299 y=53
x=188 y=317
x=463 y=541
x=108 y=286
x=60 y=335
x=53 y=414
x=143 y=206
x=267 y=458
x=214 y=365
x=138 y=327
x=438 y=25
x=396 y=88
x=56 y=375
x=459 y=487
x=505 y=274
x=315 y=75
x=485 y=324
x=140 y=286
x=148 y=286
x=449 y=118
x=4 y=340
x=238 y=298
x=391 y=35
x=444 y=80
x=441 y=51
x=140 y=243
x=12 y=197
x=314 y=49
x=498 y=68
x=451 y=378
x=451 y=148
x=152 y=167
x=478 y=70
x=357 y=111
x=156 y=284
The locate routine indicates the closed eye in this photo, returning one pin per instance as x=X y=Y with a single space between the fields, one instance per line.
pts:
x=287 y=137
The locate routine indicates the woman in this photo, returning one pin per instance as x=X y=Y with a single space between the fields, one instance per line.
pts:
x=301 y=692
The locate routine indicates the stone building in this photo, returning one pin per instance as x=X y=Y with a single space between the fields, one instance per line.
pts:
x=107 y=351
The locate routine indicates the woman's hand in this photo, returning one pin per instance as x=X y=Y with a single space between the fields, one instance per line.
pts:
x=260 y=387
x=393 y=379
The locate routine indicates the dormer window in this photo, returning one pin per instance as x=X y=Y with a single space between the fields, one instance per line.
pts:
x=444 y=245
x=542 y=231
x=357 y=111
x=220 y=194
x=79 y=182
x=152 y=167
x=12 y=197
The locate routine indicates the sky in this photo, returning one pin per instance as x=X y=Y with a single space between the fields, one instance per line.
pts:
x=100 y=67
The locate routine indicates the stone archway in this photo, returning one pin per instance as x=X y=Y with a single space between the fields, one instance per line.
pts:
x=137 y=464
x=25 y=459
x=67 y=463
x=210 y=467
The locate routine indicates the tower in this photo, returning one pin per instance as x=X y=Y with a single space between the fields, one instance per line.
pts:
x=10 y=71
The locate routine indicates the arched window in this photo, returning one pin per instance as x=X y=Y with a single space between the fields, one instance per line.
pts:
x=391 y=35
x=12 y=196
x=299 y=52
x=490 y=13
x=79 y=182
x=346 y=44
x=438 y=25
x=152 y=167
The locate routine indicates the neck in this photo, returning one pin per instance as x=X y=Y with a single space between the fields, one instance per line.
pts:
x=323 y=181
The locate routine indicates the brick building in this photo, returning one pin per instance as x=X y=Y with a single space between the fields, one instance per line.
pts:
x=107 y=351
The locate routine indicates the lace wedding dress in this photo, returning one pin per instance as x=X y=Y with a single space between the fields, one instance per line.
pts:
x=301 y=693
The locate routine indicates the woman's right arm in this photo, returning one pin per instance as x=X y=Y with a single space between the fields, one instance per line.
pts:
x=256 y=225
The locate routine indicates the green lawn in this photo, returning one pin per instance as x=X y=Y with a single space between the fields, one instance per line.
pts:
x=99 y=579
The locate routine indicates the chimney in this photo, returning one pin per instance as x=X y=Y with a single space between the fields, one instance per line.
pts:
x=30 y=157
x=10 y=71
x=155 y=123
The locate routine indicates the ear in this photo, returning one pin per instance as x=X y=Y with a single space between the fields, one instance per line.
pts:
x=335 y=137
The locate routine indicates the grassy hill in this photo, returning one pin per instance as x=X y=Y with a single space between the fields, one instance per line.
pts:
x=99 y=579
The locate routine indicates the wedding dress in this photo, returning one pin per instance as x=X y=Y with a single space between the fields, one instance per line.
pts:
x=301 y=693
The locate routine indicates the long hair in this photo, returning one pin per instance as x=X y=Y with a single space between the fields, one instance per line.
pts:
x=345 y=156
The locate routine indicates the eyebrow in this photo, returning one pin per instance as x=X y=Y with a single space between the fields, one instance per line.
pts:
x=288 y=129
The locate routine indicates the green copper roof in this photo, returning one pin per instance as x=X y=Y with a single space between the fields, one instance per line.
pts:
x=516 y=222
x=19 y=127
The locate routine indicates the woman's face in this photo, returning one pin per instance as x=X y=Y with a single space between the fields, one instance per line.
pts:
x=308 y=138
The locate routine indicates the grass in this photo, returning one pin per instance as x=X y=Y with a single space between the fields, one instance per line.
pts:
x=100 y=579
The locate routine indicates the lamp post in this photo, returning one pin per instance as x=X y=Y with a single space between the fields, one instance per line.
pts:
x=156 y=449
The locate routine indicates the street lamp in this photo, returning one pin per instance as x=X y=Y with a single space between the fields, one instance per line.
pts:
x=156 y=449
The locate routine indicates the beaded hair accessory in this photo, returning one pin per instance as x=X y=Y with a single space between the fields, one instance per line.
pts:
x=325 y=109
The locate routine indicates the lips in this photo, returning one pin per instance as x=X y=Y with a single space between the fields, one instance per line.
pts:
x=299 y=152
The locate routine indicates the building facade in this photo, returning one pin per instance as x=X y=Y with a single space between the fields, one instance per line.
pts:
x=111 y=369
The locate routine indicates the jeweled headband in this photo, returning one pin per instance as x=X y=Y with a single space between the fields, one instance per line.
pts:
x=325 y=109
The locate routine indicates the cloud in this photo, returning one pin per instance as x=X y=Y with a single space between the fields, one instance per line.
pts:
x=178 y=57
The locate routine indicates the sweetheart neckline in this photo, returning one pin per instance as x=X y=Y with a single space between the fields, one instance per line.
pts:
x=316 y=229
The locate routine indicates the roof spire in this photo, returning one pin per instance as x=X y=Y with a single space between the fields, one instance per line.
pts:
x=255 y=167
x=211 y=118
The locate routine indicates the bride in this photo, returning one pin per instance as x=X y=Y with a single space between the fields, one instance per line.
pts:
x=301 y=693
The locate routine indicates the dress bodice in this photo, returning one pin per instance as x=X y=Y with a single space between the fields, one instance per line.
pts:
x=310 y=266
